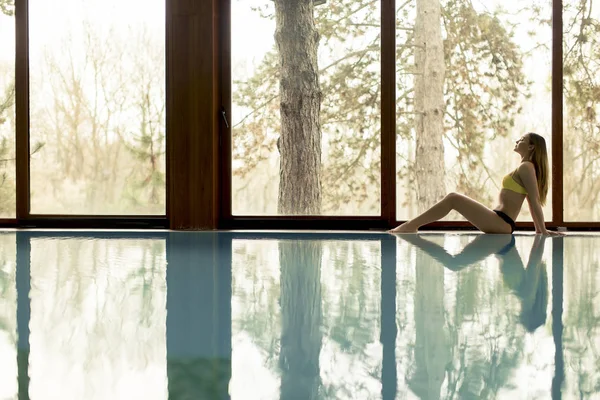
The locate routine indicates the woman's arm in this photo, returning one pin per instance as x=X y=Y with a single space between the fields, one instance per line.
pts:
x=537 y=227
x=537 y=252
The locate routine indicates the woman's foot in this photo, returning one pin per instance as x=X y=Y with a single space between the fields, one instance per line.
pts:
x=404 y=228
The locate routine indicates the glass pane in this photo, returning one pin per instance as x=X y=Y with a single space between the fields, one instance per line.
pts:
x=97 y=82
x=330 y=150
x=98 y=319
x=481 y=81
x=8 y=316
x=581 y=144
x=7 y=110
x=306 y=319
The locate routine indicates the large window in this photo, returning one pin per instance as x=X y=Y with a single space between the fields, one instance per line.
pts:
x=311 y=98
x=292 y=156
x=7 y=110
x=467 y=89
x=97 y=107
x=581 y=144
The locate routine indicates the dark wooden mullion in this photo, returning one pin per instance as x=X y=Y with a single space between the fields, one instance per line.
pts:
x=97 y=216
x=305 y=223
x=94 y=222
x=225 y=121
x=557 y=114
x=192 y=97
x=22 y=107
x=93 y=234
x=388 y=111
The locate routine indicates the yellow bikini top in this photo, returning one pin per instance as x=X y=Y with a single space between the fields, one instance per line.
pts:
x=509 y=183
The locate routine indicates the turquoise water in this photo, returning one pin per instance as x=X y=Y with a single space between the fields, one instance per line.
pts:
x=139 y=315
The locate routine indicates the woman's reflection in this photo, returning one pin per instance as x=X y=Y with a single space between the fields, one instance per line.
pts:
x=529 y=283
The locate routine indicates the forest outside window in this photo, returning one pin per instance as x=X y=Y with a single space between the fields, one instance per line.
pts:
x=7 y=110
x=581 y=102
x=306 y=131
x=97 y=107
x=465 y=91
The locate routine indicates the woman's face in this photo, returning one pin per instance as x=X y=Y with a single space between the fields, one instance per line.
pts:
x=522 y=146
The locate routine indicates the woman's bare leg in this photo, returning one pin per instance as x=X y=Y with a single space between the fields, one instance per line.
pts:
x=476 y=213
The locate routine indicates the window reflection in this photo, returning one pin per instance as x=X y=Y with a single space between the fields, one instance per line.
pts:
x=8 y=313
x=581 y=317
x=431 y=316
x=198 y=316
x=467 y=305
x=306 y=319
x=97 y=318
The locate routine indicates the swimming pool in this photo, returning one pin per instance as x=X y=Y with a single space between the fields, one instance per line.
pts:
x=288 y=315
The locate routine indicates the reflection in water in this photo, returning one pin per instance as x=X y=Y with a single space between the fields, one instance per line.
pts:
x=389 y=328
x=23 y=282
x=306 y=318
x=204 y=316
x=431 y=352
x=97 y=315
x=301 y=319
x=97 y=318
x=8 y=313
x=581 y=336
x=530 y=284
x=557 y=317
x=488 y=353
x=198 y=316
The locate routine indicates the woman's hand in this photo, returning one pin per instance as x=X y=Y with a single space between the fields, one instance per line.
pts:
x=546 y=232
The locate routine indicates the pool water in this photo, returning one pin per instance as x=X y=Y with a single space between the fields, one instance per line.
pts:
x=288 y=315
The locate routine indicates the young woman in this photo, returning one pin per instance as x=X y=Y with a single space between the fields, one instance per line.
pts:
x=529 y=181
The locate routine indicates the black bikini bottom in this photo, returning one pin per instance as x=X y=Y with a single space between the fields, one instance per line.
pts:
x=506 y=218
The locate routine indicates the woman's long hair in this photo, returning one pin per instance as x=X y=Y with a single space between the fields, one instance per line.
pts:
x=539 y=157
x=533 y=294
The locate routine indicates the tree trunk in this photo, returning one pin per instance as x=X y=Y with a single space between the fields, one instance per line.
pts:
x=301 y=318
x=429 y=103
x=300 y=141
